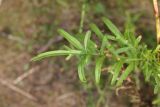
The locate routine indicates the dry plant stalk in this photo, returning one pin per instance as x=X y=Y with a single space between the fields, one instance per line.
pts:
x=18 y=90
x=25 y=75
x=0 y=2
x=156 y=13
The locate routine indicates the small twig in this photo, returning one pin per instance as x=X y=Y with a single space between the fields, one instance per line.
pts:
x=17 y=39
x=25 y=75
x=64 y=96
x=12 y=37
x=18 y=90
x=156 y=13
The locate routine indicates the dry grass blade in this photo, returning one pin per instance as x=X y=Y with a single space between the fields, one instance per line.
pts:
x=25 y=75
x=17 y=90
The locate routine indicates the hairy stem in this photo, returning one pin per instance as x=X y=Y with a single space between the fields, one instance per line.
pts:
x=156 y=13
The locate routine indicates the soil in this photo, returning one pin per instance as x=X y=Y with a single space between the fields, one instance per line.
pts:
x=54 y=82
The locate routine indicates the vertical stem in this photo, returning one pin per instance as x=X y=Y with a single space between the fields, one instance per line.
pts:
x=156 y=13
x=83 y=12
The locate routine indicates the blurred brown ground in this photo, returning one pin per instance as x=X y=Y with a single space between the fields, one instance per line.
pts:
x=24 y=32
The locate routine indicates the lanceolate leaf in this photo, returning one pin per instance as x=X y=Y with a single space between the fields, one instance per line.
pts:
x=125 y=74
x=138 y=39
x=103 y=45
x=147 y=71
x=156 y=89
x=109 y=47
x=81 y=73
x=156 y=101
x=56 y=53
x=99 y=63
x=110 y=37
x=71 y=39
x=69 y=57
x=124 y=49
x=106 y=44
x=157 y=85
x=97 y=31
x=81 y=67
x=114 y=30
x=92 y=47
x=87 y=39
x=116 y=70
x=67 y=48
x=111 y=27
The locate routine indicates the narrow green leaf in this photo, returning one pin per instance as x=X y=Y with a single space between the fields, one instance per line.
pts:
x=108 y=46
x=157 y=49
x=87 y=39
x=110 y=37
x=157 y=85
x=69 y=57
x=88 y=59
x=124 y=49
x=81 y=73
x=138 y=39
x=158 y=76
x=125 y=74
x=156 y=89
x=114 y=30
x=98 y=67
x=67 y=48
x=144 y=68
x=130 y=36
x=116 y=71
x=55 y=53
x=81 y=67
x=92 y=47
x=148 y=73
x=111 y=27
x=71 y=39
x=103 y=45
x=156 y=101
x=96 y=30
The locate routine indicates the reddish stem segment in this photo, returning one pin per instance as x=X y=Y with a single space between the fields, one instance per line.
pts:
x=156 y=13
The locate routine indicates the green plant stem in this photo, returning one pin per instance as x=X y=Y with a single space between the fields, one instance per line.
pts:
x=83 y=12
